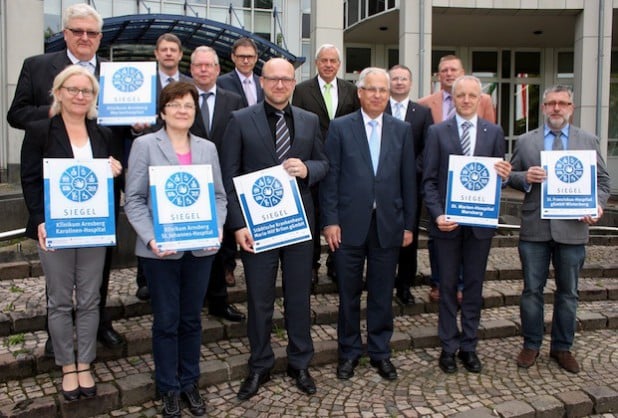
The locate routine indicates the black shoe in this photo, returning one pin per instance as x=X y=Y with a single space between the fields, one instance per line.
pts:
x=447 y=362
x=194 y=401
x=73 y=394
x=171 y=405
x=49 y=348
x=109 y=337
x=251 y=384
x=228 y=312
x=385 y=368
x=470 y=361
x=405 y=297
x=143 y=293
x=87 y=391
x=345 y=368
x=304 y=381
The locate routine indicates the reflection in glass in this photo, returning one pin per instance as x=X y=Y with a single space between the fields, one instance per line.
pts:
x=612 y=131
x=526 y=108
x=565 y=65
x=357 y=59
x=528 y=63
x=485 y=63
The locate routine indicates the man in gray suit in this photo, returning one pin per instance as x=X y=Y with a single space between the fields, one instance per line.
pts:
x=559 y=241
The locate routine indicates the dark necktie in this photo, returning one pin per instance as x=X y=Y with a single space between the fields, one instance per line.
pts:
x=557 y=144
x=205 y=111
x=282 y=138
x=465 y=137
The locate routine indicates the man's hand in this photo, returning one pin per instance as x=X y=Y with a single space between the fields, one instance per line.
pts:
x=408 y=236
x=445 y=225
x=332 y=234
x=244 y=239
x=535 y=174
x=503 y=168
x=295 y=167
x=590 y=220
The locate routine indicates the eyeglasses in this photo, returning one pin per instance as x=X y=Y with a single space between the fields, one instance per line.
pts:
x=246 y=57
x=205 y=64
x=178 y=106
x=286 y=81
x=80 y=33
x=374 y=90
x=74 y=91
x=553 y=103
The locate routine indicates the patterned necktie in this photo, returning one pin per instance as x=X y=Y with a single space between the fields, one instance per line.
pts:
x=557 y=145
x=465 y=137
x=169 y=80
x=282 y=138
x=451 y=108
x=205 y=111
x=87 y=65
x=398 y=111
x=374 y=145
x=328 y=100
x=246 y=86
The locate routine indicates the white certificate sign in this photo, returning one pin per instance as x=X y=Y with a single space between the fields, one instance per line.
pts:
x=570 y=190
x=473 y=191
x=128 y=93
x=273 y=208
x=79 y=203
x=184 y=210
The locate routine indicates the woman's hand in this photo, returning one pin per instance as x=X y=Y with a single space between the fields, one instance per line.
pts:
x=155 y=249
x=42 y=233
x=116 y=166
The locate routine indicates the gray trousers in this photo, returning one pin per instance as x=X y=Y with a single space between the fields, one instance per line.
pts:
x=68 y=270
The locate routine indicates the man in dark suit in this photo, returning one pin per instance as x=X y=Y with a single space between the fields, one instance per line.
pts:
x=221 y=104
x=368 y=205
x=328 y=97
x=459 y=247
x=82 y=27
x=419 y=118
x=249 y=146
x=242 y=80
x=557 y=241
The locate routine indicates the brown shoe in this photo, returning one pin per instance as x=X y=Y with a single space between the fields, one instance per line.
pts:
x=230 y=280
x=527 y=357
x=434 y=294
x=565 y=360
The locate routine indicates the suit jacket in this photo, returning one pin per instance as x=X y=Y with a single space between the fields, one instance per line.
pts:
x=231 y=82
x=32 y=98
x=48 y=138
x=419 y=118
x=308 y=96
x=434 y=102
x=225 y=103
x=350 y=188
x=249 y=146
x=443 y=141
x=156 y=149
x=528 y=154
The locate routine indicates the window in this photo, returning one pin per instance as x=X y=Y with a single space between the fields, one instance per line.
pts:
x=357 y=59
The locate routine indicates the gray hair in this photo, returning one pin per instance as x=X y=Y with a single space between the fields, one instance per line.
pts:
x=324 y=47
x=68 y=72
x=372 y=70
x=558 y=88
x=81 y=11
x=204 y=48
x=467 y=77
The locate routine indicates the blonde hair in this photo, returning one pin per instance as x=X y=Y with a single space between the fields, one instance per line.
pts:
x=64 y=75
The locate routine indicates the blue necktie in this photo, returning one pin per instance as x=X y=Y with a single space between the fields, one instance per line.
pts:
x=465 y=137
x=374 y=145
x=557 y=145
x=398 y=109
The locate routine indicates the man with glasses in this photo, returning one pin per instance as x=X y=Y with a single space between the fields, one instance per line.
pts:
x=242 y=80
x=249 y=146
x=544 y=241
x=368 y=209
x=32 y=101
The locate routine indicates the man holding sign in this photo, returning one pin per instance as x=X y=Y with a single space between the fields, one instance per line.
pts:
x=560 y=241
x=460 y=247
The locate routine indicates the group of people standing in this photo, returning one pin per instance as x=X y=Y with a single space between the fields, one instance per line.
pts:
x=364 y=158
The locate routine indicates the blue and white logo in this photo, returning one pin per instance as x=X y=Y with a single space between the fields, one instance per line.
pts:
x=569 y=169
x=474 y=176
x=128 y=79
x=182 y=189
x=267 y=191
x=78 y=183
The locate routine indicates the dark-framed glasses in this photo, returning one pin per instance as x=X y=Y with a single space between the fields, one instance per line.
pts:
x=74 y=91
x=178 y=106
x=80 y=33
x=286 y=81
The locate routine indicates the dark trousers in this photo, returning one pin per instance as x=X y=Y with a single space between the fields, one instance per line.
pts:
x=216 y=295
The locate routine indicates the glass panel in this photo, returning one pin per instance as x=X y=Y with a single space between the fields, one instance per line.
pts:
x=306 y=67
x=155 y=6
x=352 y=12
x=506 y=64
x=526 y=108
x=265 y=4
x=435 y=59
x=485 y=63
x=491 y=88
x=125 y=7
x=263 y=25
x=614 y=64
x=565 y=64
x=221 y=15
x=305 y=4
x=612 y=131
x=363 y=9
x=504 y=107
x=393 y=57
x=306 y=26
x=104 y=7
x=234 y=3
x=391 y=4
x=376 y=6
x=357 y=59
x=52 y=17
x=528 y=63
x=177 y=9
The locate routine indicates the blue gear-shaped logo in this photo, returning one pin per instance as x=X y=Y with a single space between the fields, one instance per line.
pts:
x=474 y=176
x=569 y=169
x=267 y=191
x=78 y=183
x=182 y=189
x=128 y=79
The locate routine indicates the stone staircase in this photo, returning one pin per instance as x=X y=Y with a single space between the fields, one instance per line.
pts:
x=29 y=382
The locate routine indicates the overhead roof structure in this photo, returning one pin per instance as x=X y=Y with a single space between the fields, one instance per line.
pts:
x=132 y=38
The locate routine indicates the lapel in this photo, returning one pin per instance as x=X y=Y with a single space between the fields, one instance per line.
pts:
x=359 y=135
x=60 y=135
x=299 y=123
x=263 y=130
x=316 y=95
x=97 y=142
x=453 y=142
x=483 y=146
x=385 y=144
x=221 y=100
x=258 y=88
x=165 y=145
x=196 y=151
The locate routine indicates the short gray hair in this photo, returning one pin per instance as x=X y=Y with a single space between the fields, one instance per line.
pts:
x=204 y=48
x=324 y=47
x=81 y=11
x=372 y=70
x=467 y=77
x=558 y=88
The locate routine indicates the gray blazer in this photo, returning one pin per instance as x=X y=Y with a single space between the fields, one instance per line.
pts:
x=528 y=154
x=155 y=149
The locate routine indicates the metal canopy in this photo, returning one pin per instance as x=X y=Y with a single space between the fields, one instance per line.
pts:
x=133 y=37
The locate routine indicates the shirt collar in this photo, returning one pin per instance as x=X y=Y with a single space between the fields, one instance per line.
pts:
x=322 y=83
x=243 y=77
x=445 y=95
x=564 y=130
x=75 y=60
x=164 y=76
x=460 y=120
x=213 y=90
x=271 y=110
x=367 y=119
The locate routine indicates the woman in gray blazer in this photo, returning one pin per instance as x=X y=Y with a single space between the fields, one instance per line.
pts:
x=177 y=280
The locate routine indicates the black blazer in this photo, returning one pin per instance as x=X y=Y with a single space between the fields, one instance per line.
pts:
x=48 y=138
x=308 y=96
x=225 y=103
x=231 y=82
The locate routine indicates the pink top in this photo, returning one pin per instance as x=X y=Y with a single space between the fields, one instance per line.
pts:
x=184 y=159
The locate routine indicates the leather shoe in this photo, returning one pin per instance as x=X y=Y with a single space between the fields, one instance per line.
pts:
x=229 y=312
x=251 y=384
x=143 y=293
x=304 y=381
x=405 y=296
x=194 y=401
x=434 y=294
x=345 y=368
x=447 y=362
x=49 y=348
x=110 y=338
x=565 y=360
x=527 y=357
x=385 y=368
x=171 y=405
x=470 y=361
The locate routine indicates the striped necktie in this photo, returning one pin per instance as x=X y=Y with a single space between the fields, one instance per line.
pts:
x=451 y=108
x=282 y=137
x=465 y=137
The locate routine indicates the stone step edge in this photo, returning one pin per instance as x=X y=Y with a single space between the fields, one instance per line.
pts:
x=140 y=388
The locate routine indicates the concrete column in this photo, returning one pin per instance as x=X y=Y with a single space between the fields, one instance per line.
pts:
x=327 y=28
x=415 y=29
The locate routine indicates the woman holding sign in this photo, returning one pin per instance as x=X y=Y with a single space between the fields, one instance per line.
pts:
x=177 y=279
x=71 y=132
